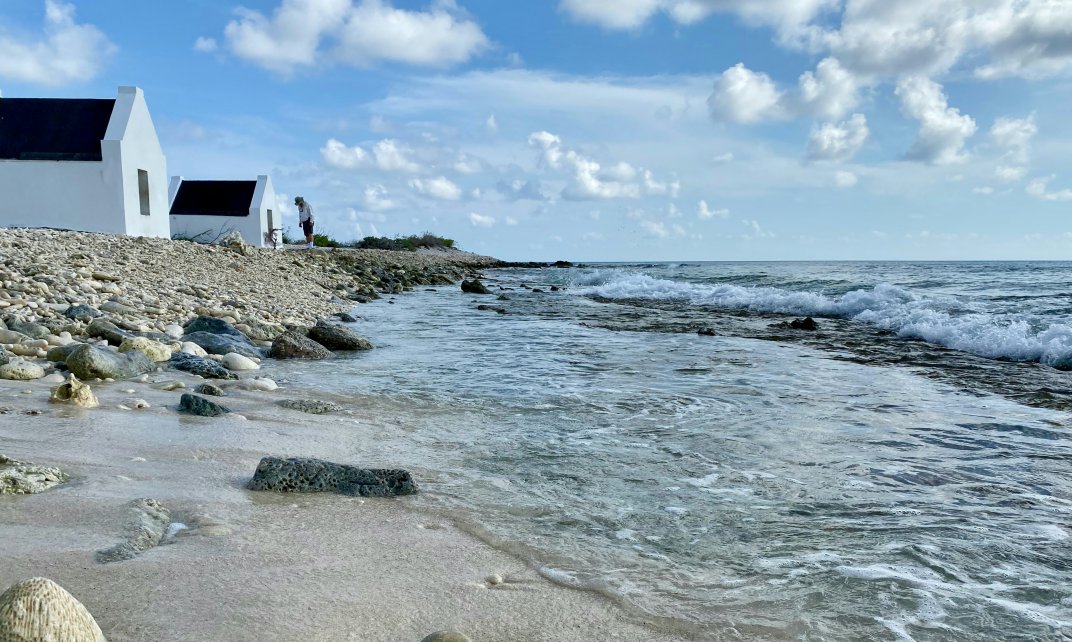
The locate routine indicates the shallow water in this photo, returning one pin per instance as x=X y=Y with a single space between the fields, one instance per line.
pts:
x=753 y=486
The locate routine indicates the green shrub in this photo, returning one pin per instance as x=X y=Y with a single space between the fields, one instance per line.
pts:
x=402 y=243
x=325 y=240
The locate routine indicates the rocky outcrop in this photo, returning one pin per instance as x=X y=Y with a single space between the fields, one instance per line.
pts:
x=19 y=478
x=200 y=366
x=806 y=323
x=475 y=287
x=39 y=610
x=75 y=393
x=337 y=337
x=194 y=405
x=317 y=476
x=91 y=362
x=294 y=345
x=147 y=525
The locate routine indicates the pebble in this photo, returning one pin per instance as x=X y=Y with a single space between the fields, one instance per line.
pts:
x=236 y=362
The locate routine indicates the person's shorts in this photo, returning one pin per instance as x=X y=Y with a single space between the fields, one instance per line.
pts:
x=307 y=227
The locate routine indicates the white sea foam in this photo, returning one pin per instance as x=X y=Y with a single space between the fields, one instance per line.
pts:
x=930 y=318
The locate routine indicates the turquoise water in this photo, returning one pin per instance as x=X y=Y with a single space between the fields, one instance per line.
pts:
x=902 y=474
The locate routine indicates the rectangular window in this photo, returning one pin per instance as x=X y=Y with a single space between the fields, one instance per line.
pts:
x=143 y=191
x=271 y=221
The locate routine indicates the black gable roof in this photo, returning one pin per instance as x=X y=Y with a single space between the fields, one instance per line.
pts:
x=58 y=129
x=214 y=198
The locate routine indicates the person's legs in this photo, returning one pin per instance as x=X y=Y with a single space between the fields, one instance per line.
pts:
x=307 y=227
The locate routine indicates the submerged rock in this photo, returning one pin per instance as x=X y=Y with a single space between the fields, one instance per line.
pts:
x=148 y=523
x=194 y=405
x=317 y=476
x=293 y=345
x=19 y=478
x=491 y=308
x=707 y=332
x=210 y=390
x=200 y=366
x=74 y=392
x=39 y=610
x=310 y=406
x=337 y=337
x=91 y=362
x=475 y=287
x=807 y=323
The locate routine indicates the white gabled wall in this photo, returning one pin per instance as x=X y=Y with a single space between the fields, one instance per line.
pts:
x=94 y=196
x=210 y=228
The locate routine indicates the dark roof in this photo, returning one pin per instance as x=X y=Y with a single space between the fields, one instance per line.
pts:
x=58 y=129
x=214 y=198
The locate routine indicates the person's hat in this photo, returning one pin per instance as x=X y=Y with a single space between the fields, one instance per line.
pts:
x=298 y=199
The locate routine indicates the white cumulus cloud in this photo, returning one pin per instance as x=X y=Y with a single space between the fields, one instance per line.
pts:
x=838 y=141
x=829 y=92
x=481 y=220
x=69 y=52
x=1039 y=188
x=745 y=96
x=705 y=212
x=943 y=130
x=440 y=188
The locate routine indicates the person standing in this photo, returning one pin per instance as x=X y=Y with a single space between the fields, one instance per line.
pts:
x=305 y=219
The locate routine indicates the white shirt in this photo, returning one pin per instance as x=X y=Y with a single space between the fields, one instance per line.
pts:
x=305 y=212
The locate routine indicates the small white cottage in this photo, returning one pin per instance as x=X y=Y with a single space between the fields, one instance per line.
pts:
x=93 y=165
x=209 y=210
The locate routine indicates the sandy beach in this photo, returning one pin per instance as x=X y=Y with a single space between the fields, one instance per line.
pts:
x=236 y=564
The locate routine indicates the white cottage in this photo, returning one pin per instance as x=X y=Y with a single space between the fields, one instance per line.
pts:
x=91 y=165
x=208 y=210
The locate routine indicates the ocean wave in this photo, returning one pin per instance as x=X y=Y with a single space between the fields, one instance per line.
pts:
x=944 y=321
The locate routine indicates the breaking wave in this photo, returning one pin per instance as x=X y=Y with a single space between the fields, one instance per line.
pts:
x=944 y=321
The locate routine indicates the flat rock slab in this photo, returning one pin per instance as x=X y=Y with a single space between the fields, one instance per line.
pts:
x=148 y=523
x=310 y=406
x=200 y=366
x=19 y=478
x=194 y=405
x=318 y=476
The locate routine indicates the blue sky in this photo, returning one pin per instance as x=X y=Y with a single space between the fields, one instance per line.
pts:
x=604 y=129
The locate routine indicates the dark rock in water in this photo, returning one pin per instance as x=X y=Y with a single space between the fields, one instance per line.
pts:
x=537 y=290
x=346 y=318
x=210 y=390
x=212 y=326
x=294 y=345
x=90 y=362
x=554 y=288
x=706 y=332
x=32 y=330
x=148 y=524
x=563 y=264
x=310 y=406
x=337 y=337
x=797 y=324
x=317 y=476
x=223 y=343
x=104 y=329
x=82 y=312
x=491 y=308
x=503 y=297
x=200 y=366
x=194 y=405
x=475 y=287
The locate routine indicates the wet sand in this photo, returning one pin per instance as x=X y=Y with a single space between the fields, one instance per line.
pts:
x=258 y=566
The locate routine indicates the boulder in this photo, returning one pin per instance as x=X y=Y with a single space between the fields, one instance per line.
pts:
x=82 y=312
x=212 y=325
x=74 y=392
x=194 y=405
x=221 y=344
x=259 y=330
x=337 y=337
x=706 y=332
x=475 y=287
x=147 y=525
x=21 y=370
x=104 y=329
x=210 y=390
x=155 y=350
x=317 y=476
x=310 y=406
x=346 y=317
x=491 y=308
x=236 y=362
x=18 y=478
x=59 y=354
x=115 y=307
x=200 y=366
x=192 y=348
x=806 y=323
x=32 y=330
x=38 y=609
x=294 y=345
x=91 y=362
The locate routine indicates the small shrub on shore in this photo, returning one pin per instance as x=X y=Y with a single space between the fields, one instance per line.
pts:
x=403 y=243
x=325 y=240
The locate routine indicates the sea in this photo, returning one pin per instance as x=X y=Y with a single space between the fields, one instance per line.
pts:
x=901 y=472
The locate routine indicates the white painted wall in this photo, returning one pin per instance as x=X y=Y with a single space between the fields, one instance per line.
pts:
x=251 y=227
x=94 y=196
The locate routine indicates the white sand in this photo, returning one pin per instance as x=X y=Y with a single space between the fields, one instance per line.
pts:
x=257 y=566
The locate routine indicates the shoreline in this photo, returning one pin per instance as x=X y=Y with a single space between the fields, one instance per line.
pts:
x=246 y=565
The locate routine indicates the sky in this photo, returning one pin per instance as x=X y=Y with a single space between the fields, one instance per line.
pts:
x=603 y=130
